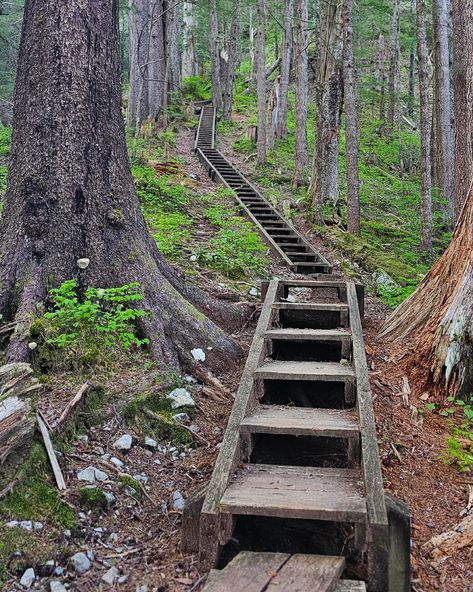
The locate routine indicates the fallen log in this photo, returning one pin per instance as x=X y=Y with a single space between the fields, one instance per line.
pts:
x=449 y=543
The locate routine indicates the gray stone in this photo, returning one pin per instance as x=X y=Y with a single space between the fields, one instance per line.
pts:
x=110 y=576
x=92 y=474
x=110 y=498
x=150 y=443
x=141 y=588
x=198 y=354
x=56 y=586
x=181 y=417
x=180 y=397
x=123 y=579
x=99 y=450
x=194 y=428
x=142 y=478
x=117 y=462
x=190 y=380
x=178 y=501
x=253 y=292
x=84 y=439
x=59 y=570
x=28 y=578
x=81 y=563
x=25 y=525
x=124 y=442
x=384 y=281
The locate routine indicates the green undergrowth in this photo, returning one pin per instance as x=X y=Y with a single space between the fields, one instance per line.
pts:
x=174 y=211
x=5 y=140
x=36 y=497
x=153 y=414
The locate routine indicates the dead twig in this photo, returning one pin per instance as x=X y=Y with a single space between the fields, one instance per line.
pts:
x=61 y=484
x=72 y=405
x=9 y=488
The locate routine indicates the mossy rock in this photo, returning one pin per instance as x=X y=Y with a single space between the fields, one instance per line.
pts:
x=131 y=484
x=92 y=498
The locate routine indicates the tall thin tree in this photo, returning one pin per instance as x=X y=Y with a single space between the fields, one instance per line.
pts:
x=351 y=121
x=286 y=56
x=215 y=56
x=261 y=78
x=231 y=61
x=302 y=91
x=394 y=68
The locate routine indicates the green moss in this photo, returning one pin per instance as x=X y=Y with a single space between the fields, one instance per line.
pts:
x=92 y=498
x=127 y=480
x=35 y=497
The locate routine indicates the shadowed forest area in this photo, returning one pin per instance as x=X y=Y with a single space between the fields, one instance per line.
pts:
x=179 y=181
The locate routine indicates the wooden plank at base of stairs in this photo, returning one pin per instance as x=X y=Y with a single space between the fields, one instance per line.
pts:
x=296 y=492
x=291 y=334
x=319 y=306
x=301 y=421
x=317 y=573
x=247 y=572
x=326 y=371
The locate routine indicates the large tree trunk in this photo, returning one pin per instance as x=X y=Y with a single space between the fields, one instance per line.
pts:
x=261 y=79
x=215 y=56
x=231 y=62
x=394 y=69
x=462 y=16
x=138 y=52
x=281 y=131
x=70 y=192
x=324 y=185
x=302 y=90
x=438 y=317
x=190 y=66
x=351 y=121
x=444 y=142
x=172 y=30
x=426 y=197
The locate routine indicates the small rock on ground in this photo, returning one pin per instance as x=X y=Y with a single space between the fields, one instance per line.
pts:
x=28 y=578
x=81 y=563
x=56 y=586
x=110 y=576
x=178 y=501
x=180 y=397
x=124 y=442
x=92 y=474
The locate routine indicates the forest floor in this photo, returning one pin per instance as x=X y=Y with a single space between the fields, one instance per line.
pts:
x=139 y=533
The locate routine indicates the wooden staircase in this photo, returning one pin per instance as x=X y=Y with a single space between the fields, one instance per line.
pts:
x=300 y=444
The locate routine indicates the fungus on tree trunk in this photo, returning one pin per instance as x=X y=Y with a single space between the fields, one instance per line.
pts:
x=70 y=192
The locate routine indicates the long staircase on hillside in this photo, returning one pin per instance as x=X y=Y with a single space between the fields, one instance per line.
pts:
x=284 y=240
x=296 y=500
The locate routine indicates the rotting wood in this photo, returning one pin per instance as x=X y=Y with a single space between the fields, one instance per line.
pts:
x=73 y=403
x=308 y=572
x=61 y=484
x=191 y=520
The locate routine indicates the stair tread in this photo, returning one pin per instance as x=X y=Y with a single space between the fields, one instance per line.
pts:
x=283 y=370
x=297 y=492
x=291 y=334
x=301 y=421
x=327 y=306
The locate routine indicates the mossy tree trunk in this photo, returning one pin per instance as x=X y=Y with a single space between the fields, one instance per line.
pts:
x=70 y=192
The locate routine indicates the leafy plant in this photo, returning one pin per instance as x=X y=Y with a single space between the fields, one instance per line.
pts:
x=459 y=445
x=92 y=329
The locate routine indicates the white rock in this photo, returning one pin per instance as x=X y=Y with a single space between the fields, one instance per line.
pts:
x=193 y=258
x=194 y=428
x=190 y=379
x=124 y=442
x=142 y=478
x=141 y=588
x=110 y=576
x=32 y=345
x=157 y=462
x=91 y=474
x=110 y=497
x=123 y=579
x=25 y=525
x=84 y=439
x=198 y=354
x=253 y=292
x=117 y=462
x=150 y=443
x=56 y=586
x=99 y=450
x=28 y=578
x=180 y=397
x=83 y=263
x=178 y=501
x=181 y=417
x=81 y=563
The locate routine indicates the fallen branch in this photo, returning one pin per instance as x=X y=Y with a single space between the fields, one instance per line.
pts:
x=9 y=488
x=452 y=541
x=61 y=484
x=72 y=405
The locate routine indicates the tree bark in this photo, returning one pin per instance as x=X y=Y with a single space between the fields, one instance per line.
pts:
x=462 y=17
x=232 y=62
x=394 y=69
x=172 y=31
x=438 y=317
x=382 y=77
x=273 y=112
x=286 y=55
x=425 y=121
x=190 y=66
x=444 y=144
x=157 y=60
x=302 y=90
x=261 y=79
x=70 y=191
x=324 y=185
x=351 y=121
x=215 y=56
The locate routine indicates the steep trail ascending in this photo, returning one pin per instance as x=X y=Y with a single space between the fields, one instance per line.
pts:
x=296 y=499
x=282 y=238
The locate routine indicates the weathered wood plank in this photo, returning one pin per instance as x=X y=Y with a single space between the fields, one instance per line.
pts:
x=301 y=573
x=296 y=492
x=247 y=572
x=283 y=370
x=350 y=586
x=301 y=421
x=320 y=306
x=291 y=334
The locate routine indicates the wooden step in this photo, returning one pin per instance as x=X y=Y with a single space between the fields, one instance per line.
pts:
x=296 y=492
x=308 y=334
x=350 y=586
x=327 y=371
x=319 y=306
x=277 y=572
x=301 y=421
